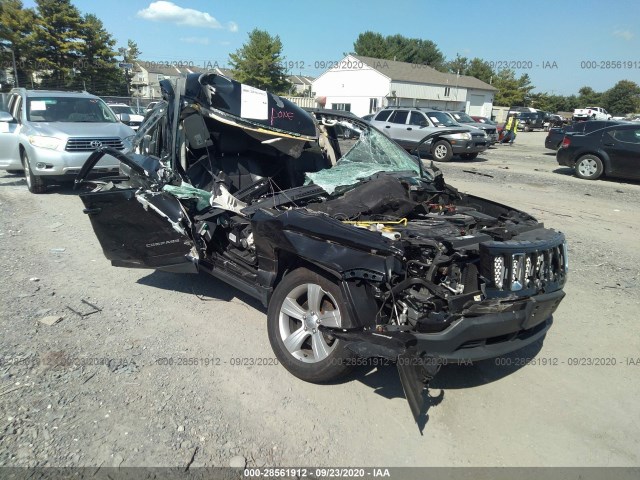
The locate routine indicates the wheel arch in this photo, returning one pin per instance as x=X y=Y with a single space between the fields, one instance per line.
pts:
x=360 y=303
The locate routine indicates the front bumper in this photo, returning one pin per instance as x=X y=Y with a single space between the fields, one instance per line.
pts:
x=468 y=146
x=62 y=164
x=512 y=326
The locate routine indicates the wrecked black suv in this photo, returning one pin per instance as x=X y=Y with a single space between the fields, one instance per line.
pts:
x=354 y=246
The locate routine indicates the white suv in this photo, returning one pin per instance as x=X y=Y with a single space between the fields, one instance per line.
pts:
x=50 y=134
x=127 y=115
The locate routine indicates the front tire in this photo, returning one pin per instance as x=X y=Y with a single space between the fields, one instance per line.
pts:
x=442 y=151
x=589 y=167
x=35 y=183
x=301 y=302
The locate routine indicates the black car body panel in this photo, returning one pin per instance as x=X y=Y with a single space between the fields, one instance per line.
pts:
x=617 y=145
x=556 y=134
x=425 y=271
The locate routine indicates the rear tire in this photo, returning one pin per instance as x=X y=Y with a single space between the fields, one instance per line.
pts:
x=442 y=151
x=301 y=302
x=35 y=183
x=588 y=167
x=468 y=156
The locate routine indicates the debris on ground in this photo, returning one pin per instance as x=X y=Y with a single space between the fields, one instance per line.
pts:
x=51 y=320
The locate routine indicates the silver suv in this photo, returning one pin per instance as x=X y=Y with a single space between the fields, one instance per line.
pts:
x=409 y=125
x=49 y=135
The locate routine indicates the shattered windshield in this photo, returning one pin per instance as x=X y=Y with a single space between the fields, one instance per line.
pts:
x=372 y=153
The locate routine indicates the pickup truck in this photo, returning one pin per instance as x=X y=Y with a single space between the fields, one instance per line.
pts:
x=590 y=113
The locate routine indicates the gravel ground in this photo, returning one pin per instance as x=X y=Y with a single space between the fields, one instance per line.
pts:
x=114 y=382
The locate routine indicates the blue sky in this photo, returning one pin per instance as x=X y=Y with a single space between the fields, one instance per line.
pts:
x=559 y=35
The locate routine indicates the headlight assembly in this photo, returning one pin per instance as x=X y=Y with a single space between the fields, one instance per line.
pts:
x=44 y=142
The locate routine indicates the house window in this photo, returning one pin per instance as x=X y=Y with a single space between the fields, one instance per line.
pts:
x=341 y=106
x=447 y=91
x=373 y=105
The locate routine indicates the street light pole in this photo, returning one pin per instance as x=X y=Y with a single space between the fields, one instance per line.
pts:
x=15 y=70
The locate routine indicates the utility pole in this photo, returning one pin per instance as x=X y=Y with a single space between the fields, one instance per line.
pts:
x=15 y=70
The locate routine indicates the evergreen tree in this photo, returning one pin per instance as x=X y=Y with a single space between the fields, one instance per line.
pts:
x=97 y=70
x=511 y=90
x=399 y=48
x=58 y=39
x=16 y=24
x=371 y=44
x=259 y=63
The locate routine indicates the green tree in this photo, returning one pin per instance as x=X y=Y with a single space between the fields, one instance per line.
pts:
x=508 y=89
x=371 y=44
x=476 y=67
x=481 y=70
x=260 y=63
x=587 y=97
x=129 y=54
x=58 y=39
x=400 y=48
x=457 y=65
x=96 y=69
x=16 y=25
x=622 y=98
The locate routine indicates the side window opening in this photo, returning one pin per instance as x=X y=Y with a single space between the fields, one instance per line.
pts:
x=399 y=116
x=383 y=115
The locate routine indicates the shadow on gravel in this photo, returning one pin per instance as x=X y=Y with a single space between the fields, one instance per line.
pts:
x=16 y=179
x=564 y=171
x=202 y=286
x=455 y=376
x=570 y=173
x=385 y=381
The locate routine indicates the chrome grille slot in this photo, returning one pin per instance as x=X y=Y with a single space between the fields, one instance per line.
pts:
x=508 y=269
x=91 y=144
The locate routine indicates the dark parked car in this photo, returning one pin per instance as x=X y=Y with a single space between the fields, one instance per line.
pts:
x=530 y=121
x=355 y=248
x=613 y=151
x=554 y=138
x=554 y=121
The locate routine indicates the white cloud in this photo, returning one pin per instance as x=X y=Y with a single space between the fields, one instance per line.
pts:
x=624 y=34
x=198 y=40
x=163 y=11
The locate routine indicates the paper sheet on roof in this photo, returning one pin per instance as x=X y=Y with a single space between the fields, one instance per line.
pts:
x=254 y=103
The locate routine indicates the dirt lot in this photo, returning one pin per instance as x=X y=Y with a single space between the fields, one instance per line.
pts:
x=575 y=403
